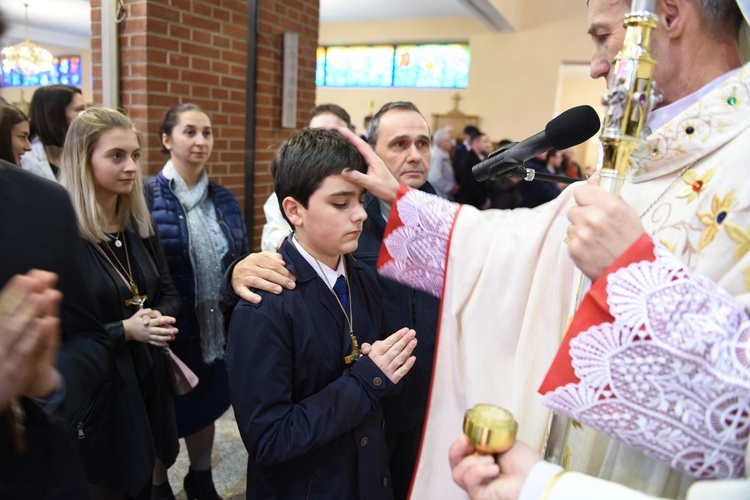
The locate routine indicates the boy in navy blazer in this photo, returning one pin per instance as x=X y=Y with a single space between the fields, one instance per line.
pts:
x=306 y=399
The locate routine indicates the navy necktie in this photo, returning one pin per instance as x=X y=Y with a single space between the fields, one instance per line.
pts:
x=340 y=289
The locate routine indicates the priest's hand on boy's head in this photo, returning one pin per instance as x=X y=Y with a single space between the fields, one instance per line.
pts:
x=393 y=355
x=379 y=181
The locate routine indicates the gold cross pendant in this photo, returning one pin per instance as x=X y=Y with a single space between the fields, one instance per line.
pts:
x=355 y=353
x=137 y=299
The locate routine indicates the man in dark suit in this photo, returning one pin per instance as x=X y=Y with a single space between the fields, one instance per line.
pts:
x=38 y=230
x=38 y=310
x=470 y=191
x=463 y=148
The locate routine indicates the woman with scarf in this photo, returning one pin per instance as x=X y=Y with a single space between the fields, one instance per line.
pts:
x=201 y=225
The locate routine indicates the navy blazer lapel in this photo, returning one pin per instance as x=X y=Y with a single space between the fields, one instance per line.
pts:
x=309 y=283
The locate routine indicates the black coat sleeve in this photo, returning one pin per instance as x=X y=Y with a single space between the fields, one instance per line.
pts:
x=169 y=297
x=85 y=350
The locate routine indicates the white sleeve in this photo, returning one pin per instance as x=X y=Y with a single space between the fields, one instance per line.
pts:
x=416 y=241
x=276 y=227
x=673 y=365
x=573 y=485
x=542 y=474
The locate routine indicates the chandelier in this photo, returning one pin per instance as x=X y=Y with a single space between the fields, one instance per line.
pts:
x=26 y=58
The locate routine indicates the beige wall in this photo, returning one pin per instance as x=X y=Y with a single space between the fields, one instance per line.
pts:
x=513 y=81
x=21 y=96
x=575 y=87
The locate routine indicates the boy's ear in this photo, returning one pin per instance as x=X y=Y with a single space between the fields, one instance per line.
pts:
x=294 y=211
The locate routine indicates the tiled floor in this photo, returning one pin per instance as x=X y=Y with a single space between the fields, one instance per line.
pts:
x=229 y=462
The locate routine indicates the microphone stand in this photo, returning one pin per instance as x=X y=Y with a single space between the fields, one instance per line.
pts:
x=516 y=170
x=529 y=174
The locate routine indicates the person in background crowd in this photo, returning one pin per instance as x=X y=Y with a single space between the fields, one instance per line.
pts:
x=441 y=174
x=366 y=127
x=14 y=134
x=463 y=148
x=51 y=111
x=504 y=190
x=127 y=425
x=276 y=228
x=569 y=165
x=203 y=230
x=470 y=191
x=538 y=192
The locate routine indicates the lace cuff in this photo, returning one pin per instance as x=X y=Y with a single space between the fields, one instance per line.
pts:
x=415 y=242
x=669 y=373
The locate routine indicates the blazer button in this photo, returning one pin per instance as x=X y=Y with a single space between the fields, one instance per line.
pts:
x=181 y=216
x=385 y=482
x=363 y=442
x=377 y=381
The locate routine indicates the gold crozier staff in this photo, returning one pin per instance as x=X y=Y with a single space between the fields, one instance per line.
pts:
x=629 y=99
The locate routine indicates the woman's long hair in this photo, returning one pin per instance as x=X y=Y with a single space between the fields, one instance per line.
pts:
x=10 y=116
x=75 y=163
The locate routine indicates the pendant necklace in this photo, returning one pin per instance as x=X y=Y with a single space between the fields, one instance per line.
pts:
x=137 y=299
x=116 y=238
x=355 y=352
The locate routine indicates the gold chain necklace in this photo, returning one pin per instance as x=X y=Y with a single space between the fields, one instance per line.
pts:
x=669 y=186
x=137 y=299
x=355 y=353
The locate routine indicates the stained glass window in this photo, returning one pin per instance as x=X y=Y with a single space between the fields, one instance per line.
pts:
x=365 y=66
x=422 y=66
x=67 y=70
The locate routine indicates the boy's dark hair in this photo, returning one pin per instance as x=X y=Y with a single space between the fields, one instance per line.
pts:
x=334 y=109
x=47 y=113
x=305 y=159
x=171 y=118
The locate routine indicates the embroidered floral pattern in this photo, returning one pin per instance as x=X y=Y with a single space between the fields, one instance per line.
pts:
x=696 y=182
x=713 y=219
x=657 y=377
x=742 y=237
x=419 y=247
x=712 y=122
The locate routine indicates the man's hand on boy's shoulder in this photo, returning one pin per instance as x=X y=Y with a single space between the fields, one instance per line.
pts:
x=261 y=271
x=394 y=354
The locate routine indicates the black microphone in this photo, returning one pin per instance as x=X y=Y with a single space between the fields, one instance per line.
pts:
x=570 y=128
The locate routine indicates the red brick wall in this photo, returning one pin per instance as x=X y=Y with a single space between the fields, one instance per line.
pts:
x=276 y=17
x=174 y=51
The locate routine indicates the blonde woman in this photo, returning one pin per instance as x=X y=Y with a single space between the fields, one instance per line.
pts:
x=128 y=423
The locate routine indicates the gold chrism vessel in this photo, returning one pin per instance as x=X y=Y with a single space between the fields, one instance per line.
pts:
x=490 y=428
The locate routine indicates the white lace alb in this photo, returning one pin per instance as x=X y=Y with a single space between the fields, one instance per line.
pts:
x=420 y=246
x=670 y=375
